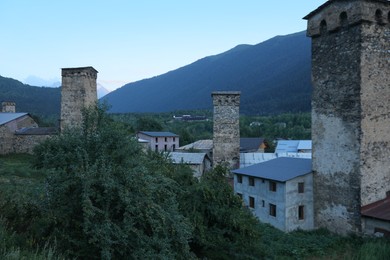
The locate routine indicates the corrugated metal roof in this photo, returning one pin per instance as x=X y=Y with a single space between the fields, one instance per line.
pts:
x=291 y=146
x=158 y=134
x=190 y=158
x=8 y=117
x=248 y=159
x=378 y=210
x=281 y=169
x=206 y=144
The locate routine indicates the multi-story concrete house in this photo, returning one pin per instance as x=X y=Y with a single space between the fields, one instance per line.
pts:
x=279 y=192
x=160 y=141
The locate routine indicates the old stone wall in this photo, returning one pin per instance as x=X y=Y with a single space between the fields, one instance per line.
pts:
x=26 y=143
x=350 y=110
x=6 y=140
x=226 y=130
x=78 y=92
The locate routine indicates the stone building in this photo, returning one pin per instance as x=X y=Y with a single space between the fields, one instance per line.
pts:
x=78 y=92
x=226 y=130
x=350 y=110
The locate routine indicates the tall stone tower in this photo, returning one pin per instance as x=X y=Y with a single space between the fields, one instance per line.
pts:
x=226 y=129
x=78 y=92
x=350 y=109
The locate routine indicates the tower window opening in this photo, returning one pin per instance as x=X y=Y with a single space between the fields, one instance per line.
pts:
x=378 y=16
x=323 y=27
x=343 y=19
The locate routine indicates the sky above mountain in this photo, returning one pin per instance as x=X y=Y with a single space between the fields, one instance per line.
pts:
x=129 y=40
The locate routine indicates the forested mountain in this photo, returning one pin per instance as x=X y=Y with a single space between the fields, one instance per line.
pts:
x=41 y=101
x=273 y=77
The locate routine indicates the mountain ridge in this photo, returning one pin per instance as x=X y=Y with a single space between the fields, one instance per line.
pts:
x=273 y=77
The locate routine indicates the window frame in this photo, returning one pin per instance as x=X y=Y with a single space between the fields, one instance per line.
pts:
x=272 y=210
x=301 y=187
x=251 y=181
x=301 y=212
x=272 y=186
x=239 y=178
x=251 y=202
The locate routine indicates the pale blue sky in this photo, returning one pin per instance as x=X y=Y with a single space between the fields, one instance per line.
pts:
x=128 y=40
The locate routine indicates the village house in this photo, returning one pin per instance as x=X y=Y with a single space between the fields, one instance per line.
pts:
x=160 y=141
x=19 y=133
x=278 y=192
x=198 y=162
x=293 y=146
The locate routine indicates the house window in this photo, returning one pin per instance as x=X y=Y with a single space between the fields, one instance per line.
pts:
x=165 y=147
x=174 y=139
x=156 y=140
x=165 y=139
x=272 y=210
x=156 y=148
x=301 y=187
x=251 y=181
x=301 y=212
x=239 y=178
x=173 y=147
x=251 y=202
x=272 y=186
x=263 y=203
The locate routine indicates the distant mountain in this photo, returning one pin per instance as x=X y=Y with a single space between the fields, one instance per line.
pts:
x=273 y=77
x=40 y=82
x=101 y=90
x=41 y=101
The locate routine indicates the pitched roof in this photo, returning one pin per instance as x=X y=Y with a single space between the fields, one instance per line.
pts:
x=8 y=117
x=292 y=146
x=248 y=144
x=158 y=134
x=378 y=210
x=190 y=158
x=206 y=144
x=280 y=169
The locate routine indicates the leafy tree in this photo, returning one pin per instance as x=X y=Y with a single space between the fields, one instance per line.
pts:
x=103 y=199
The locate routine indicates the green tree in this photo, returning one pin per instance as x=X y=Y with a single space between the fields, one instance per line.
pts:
x=103 y=199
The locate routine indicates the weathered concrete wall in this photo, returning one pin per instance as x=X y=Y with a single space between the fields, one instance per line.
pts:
x=226 y=129
x=294 y=199
x=350 y=109
x=78 y=92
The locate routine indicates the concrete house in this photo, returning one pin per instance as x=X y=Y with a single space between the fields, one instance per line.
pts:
x=279 y=192
x=198 y=162
x=160 y=141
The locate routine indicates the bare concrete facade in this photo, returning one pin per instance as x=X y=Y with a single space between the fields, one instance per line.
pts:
x=78 y=92
x=350 y=109
x=226 y=129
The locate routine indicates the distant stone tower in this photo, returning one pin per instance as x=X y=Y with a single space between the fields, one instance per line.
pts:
x=78 y=92
x=350 y=109
x=226 y=130
x=8 y=107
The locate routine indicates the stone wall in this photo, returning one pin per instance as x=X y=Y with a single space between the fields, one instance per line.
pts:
x=226 y=129
x=78 y=92
x=26 y=143
x=350 y=110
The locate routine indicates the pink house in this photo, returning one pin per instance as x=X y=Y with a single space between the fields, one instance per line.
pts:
x=160 y=141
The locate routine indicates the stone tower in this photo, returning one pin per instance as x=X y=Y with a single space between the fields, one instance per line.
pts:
x=350 y=109
x=78 y=92
x=8 y=107
x=226 y=129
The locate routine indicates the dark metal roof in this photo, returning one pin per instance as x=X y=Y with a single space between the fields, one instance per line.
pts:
x=249 y=144
x=280 y=169
x=158 y=134
x=37 y=131
x=378 y=210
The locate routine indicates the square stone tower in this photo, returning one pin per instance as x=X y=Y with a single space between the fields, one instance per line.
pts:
x=78 y=92
x=8 y=107
x=226 y=129
x=350 y=109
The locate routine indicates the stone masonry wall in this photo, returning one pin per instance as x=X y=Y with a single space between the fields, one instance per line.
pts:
x=350 y=110
x=78 y=92
x=226 y=130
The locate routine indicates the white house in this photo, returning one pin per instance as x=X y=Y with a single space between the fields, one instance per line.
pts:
x=279 y=192
x=159 y=141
